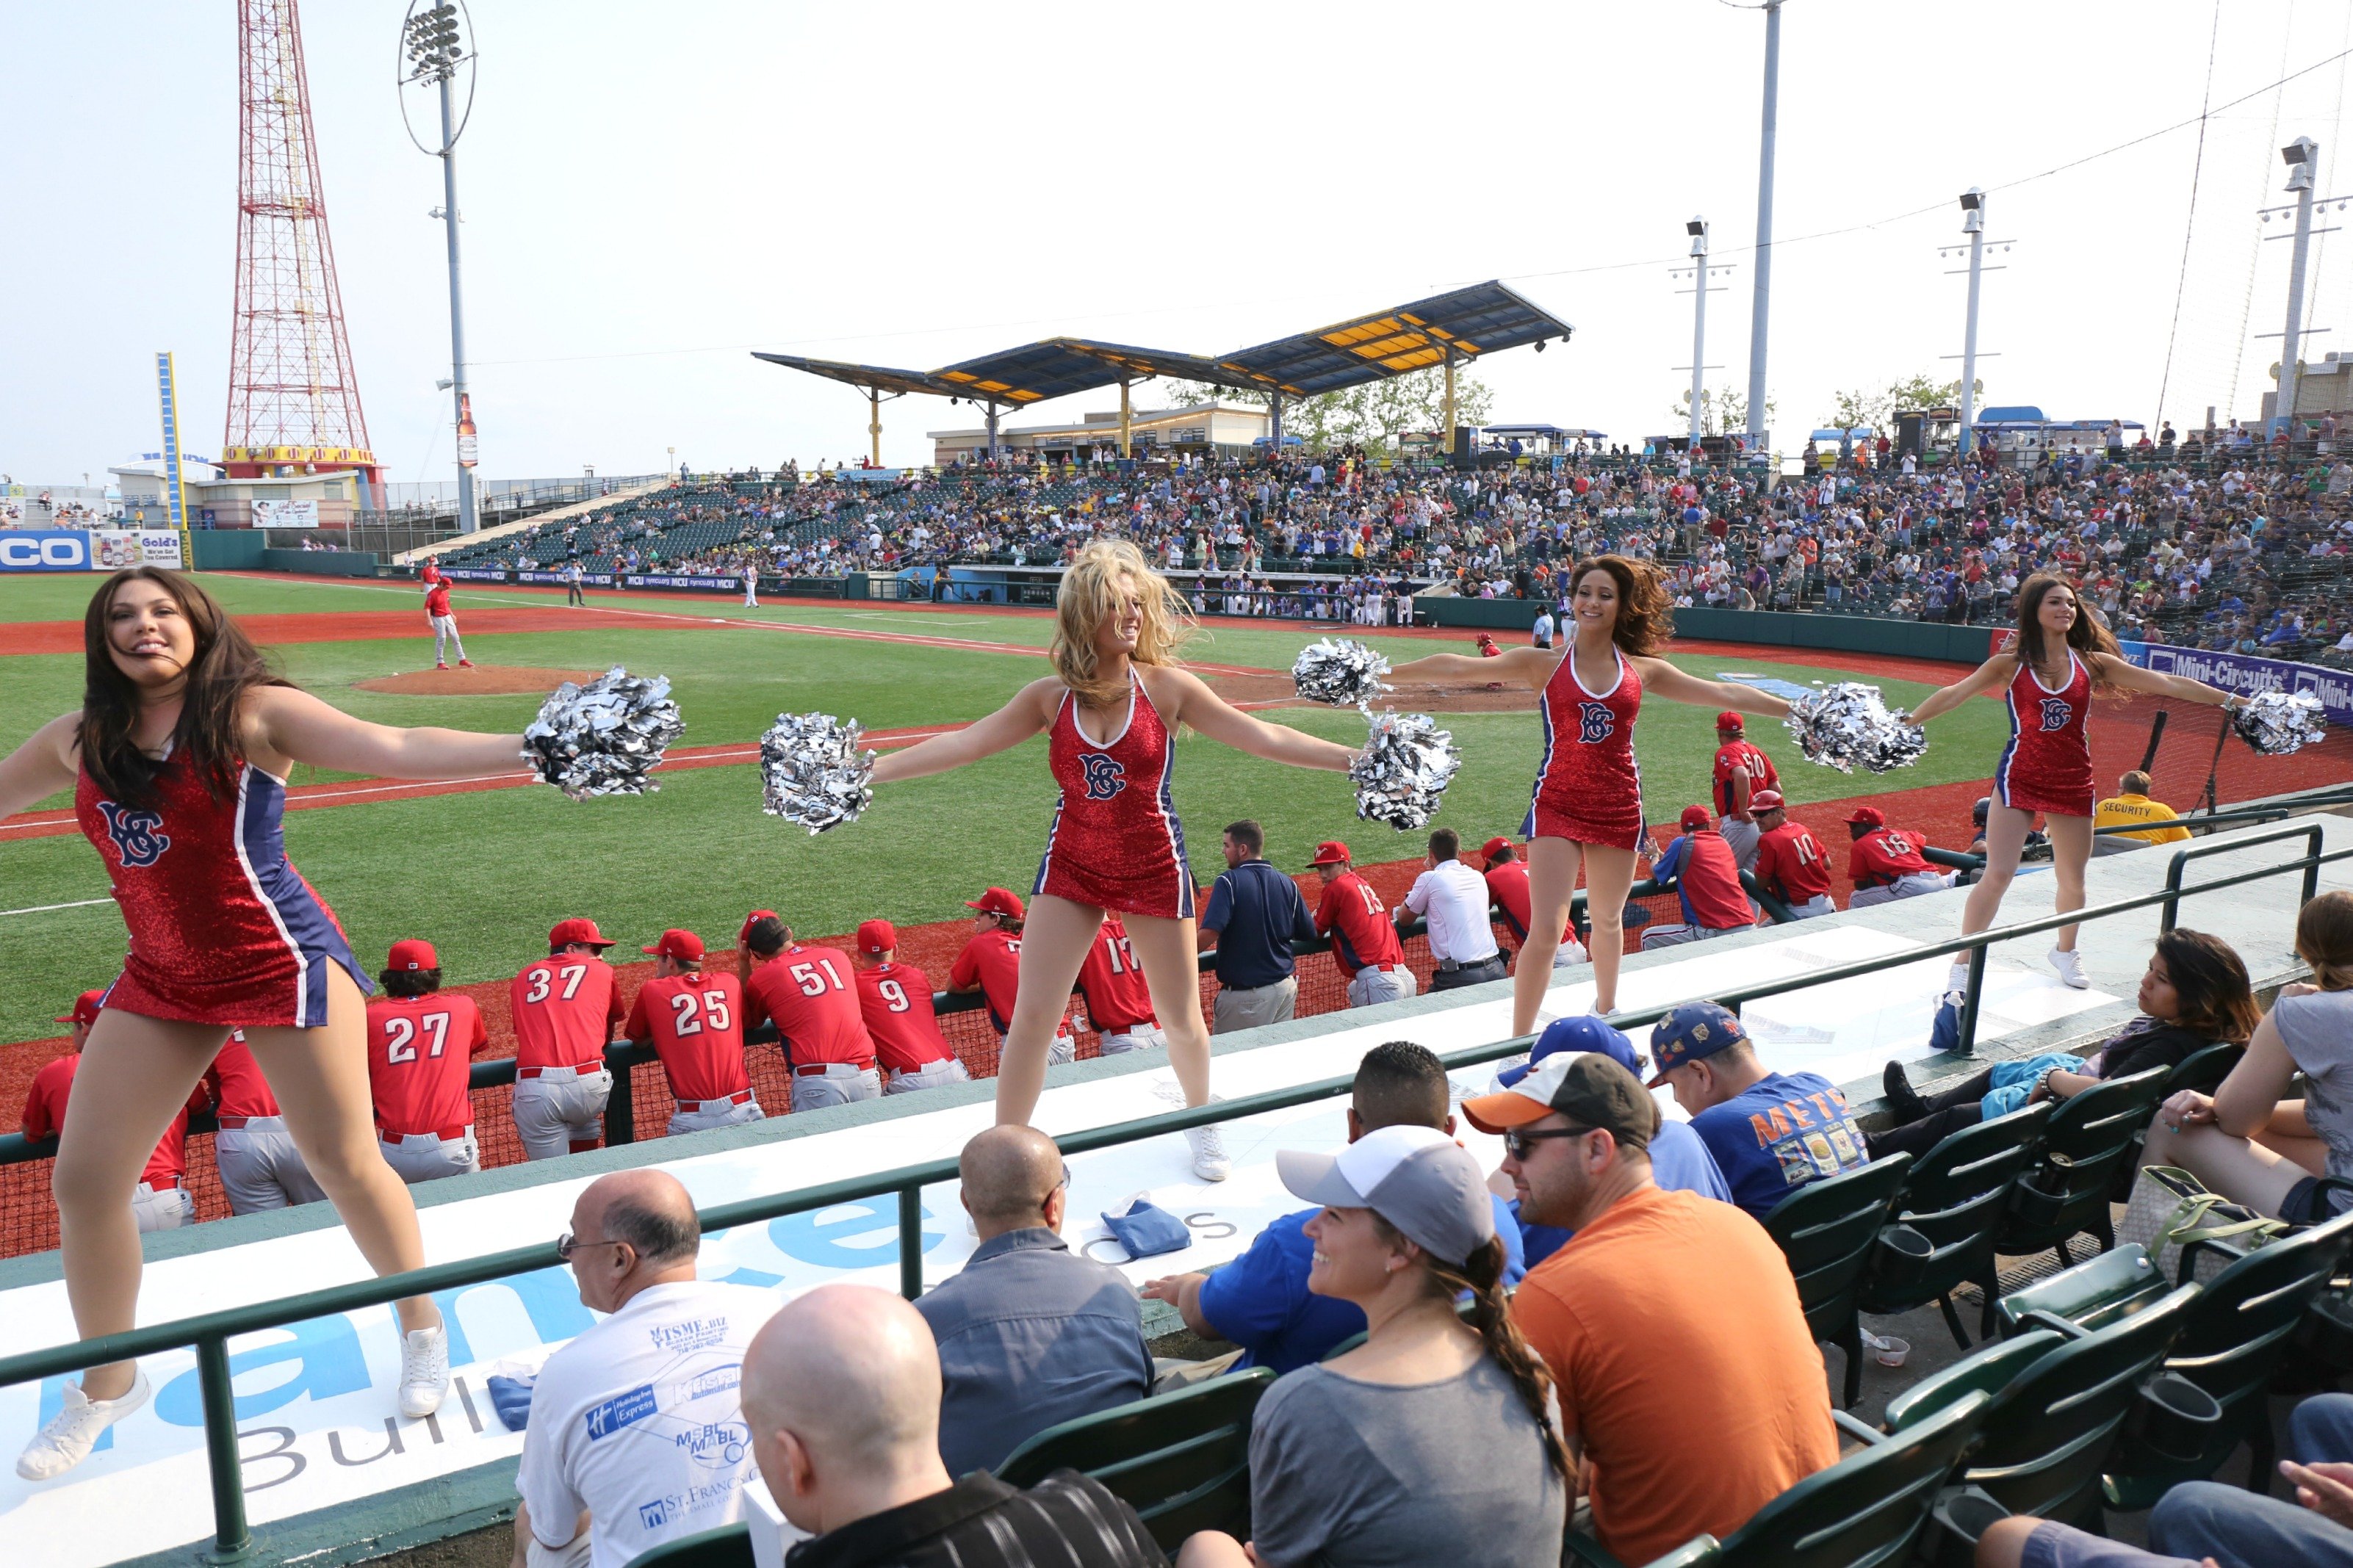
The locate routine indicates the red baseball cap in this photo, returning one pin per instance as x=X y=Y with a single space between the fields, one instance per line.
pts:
x=682 y=945
x=749 y=922
x=997 y=902
x=1765 y=800
x=1728 y=720
x=1330 y=852
x=413 y=953
x=1868 y=815
x=877 y=937
x=581 y=929
x=1494 y=847
x=85 y=1008
x=1694 y=816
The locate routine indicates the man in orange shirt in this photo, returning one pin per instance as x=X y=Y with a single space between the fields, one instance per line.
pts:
x=1631 y=1317
x=695 y=1024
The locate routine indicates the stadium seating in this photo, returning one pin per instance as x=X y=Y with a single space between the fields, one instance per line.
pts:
x=729 y=1546
x=1828 y=1230
x=2088 y=1140
x=1955 y=1197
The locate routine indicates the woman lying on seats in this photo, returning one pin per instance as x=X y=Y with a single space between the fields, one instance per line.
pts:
x=2248 y=1143
x=2194 y=995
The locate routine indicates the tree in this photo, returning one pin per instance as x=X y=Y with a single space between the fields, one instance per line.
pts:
x=1877 y=410
x=1371 y=413
x=1722 y=411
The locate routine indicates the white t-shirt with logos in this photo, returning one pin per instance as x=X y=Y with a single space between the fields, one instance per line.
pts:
x=639 y=1421
x=1453 y=899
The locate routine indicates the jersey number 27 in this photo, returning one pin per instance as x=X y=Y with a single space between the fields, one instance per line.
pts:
x=400 y=1035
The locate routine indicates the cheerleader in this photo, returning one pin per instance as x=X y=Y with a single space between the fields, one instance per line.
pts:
x=2060 y=656
x=1110 y=712
x=1586 y=808
x=178 y=760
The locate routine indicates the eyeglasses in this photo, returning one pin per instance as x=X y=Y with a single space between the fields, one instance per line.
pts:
x=1517 y=1143
x=568 y=1244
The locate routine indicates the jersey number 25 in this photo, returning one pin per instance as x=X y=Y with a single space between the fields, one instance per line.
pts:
x=711 y=1004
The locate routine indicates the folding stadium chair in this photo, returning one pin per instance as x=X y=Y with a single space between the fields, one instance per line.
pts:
x=2088 y=1142
x=1955 y=1198
x=1829 y=1231
x=729 y=1546
x=1868 y=1510
x=1180 y=1459
x=2060 y=1395
x=2202 y=1071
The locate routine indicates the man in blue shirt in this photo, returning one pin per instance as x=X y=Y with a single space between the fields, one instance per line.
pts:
x=1256 y=912
x=1261 y=1300
x=1770 y=1132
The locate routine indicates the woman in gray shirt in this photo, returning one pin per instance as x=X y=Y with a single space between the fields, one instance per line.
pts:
x=1433 y=1442
x=2245 y=1143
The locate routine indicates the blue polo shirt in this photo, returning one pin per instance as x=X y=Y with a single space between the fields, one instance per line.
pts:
x=1258 y=913
x=1261 y=1300
x=1787 y=1130
x=1680 y=1162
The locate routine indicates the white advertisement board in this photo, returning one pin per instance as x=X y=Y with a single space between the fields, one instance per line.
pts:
x=285 y=514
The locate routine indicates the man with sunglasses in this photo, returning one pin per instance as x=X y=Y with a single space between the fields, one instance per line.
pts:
x=1666 y=1314
x=636 y=1438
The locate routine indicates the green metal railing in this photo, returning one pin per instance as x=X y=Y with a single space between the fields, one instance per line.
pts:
x=209 y=1333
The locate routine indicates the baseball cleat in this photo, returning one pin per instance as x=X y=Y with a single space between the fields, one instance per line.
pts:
x=1210 y=1161
x=2070 y=966
x=424 y=1372
x=440 y=664
x=73 y=1431
x=465 y=664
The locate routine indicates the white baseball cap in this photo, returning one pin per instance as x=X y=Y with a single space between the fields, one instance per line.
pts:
x=1417 y=1178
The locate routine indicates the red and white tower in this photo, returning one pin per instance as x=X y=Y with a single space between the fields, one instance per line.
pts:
x=293 y=393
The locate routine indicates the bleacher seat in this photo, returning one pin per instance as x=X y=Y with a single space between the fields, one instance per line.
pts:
x=1828 y=1230
x=2088 y=1142
x=729 y=1546
x=1956 y=1196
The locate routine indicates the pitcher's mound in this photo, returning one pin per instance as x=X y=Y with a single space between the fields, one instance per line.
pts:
x=483 y=680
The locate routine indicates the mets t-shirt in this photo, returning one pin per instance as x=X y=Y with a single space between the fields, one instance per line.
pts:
x=1787 y=1130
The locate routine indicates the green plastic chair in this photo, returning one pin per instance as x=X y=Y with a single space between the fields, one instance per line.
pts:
x=2086 y=1142
x=2202 y=1071
x=1828 y=1229
x=1957 y=1196
x=1868 y=1510
x=1180 y=1459
x=2060 y=1395
x=729 y=1546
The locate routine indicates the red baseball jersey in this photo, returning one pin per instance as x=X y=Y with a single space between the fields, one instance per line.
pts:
x=437 y=599
x=1589 y=785
x=1507 y=885
x=1791 y=864
x=2047 y=766
x=420 y=1051
x=1739 y=759
x=895 y=1000
x=1353 y=917
x=1707 y=882
x=1115 y=842
x=992 y=961
x=1881 y=856
x=811 y=995
x=1117 y=998
x=234 y=1084
x=565 y=1009
x=696 y=1023
x=45 y=1115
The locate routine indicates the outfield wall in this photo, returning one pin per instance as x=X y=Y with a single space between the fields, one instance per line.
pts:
x=1764 y=629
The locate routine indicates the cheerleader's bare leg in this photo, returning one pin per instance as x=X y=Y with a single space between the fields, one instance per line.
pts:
x=1169 y=954
x=1054 y=943
x=1608 y=873
x=1552 y=881
x=2070 y=851
x=2006 y=830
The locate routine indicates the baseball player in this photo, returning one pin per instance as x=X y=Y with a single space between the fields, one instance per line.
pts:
x=895 y=1000
x=1507 y=885
x=1885 y=862
x=751 y=585
x=444 y=623
x=1741 y=770
x=564 y=1006
x=259 y=1166
x=573 y=577
x=1117 y=999
x=1791 y=863
x=1364 y=943
x=421 y=1046
x=161 y=1201
x=1698 y=865
x=990 y=963
x=810 y=995
x=695 y=1024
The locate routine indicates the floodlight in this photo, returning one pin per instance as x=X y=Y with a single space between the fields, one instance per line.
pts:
x=1697 y=229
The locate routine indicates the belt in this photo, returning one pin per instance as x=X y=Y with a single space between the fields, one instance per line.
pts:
x=231 y=1123
x=738 y=1098
x=174 y=1186
x=535 y=1072
x=1449 y=965
x=447 y=1134
x=818 y=1069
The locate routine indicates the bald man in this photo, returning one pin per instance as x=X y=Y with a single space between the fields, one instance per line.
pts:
x=635 y=1438
x=1030 y=1333
x=841 y=1390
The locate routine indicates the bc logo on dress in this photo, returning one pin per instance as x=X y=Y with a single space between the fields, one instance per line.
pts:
x=138 y=836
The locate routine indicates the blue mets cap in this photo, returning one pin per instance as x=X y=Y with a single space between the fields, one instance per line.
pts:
x=1694 y=1030
x=1582 y=1033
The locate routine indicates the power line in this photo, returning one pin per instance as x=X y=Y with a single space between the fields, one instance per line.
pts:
x=2189 y=224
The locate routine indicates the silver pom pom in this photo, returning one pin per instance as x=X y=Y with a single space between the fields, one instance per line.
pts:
x=2278 y=722
x=1407 y=765
x=1343 y=673
x=812 y=772
x=1842 y=725
x=605 y=737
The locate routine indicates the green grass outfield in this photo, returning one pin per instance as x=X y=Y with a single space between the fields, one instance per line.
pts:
x=483 y=874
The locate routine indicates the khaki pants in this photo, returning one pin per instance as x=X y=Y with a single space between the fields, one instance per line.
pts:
x=1258 y=1006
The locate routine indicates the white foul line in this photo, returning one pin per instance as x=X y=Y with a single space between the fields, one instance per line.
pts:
x=44 y=909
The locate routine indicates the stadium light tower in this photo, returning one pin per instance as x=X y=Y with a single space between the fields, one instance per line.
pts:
x=1972 y=225
x=2303 y=159
x=433 y=47
x=1699 y=367
x=1760 y=309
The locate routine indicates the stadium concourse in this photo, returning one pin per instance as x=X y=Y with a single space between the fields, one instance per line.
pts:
x=328 y=1479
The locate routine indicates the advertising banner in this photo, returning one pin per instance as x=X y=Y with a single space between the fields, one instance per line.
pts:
x=475 y=573
x=285 y=514
x=160 y=547
x=708 y=584
x=587 y=579
x=2246 y=674
x=44 y=550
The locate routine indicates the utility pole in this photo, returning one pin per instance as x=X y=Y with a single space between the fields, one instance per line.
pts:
x=1760 y=309
x=2303 y=159
x=1972 y=225
x=435 y=51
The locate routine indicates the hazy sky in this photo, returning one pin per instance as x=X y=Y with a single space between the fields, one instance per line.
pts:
x=652 y=191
